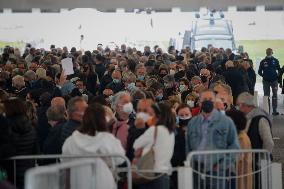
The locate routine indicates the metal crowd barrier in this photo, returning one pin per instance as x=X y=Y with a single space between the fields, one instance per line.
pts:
x=39 y=160
x=57 y=176
x=227 y=169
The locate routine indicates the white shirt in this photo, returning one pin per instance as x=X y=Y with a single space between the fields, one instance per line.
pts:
x=163 y=149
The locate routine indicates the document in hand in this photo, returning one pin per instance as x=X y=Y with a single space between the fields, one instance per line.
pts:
x=67 y=66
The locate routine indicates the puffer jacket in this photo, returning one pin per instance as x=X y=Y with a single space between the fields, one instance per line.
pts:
x=24 y=140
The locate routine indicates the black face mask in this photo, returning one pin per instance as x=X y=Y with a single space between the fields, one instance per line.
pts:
x=207 y=106
x=162 y=75
x=203 y=79
x=183 y=122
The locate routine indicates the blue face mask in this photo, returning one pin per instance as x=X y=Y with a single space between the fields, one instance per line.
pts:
x=182 y=88
x=141 y=77
x=116 y=80
x=131 y=86
x=159 y=96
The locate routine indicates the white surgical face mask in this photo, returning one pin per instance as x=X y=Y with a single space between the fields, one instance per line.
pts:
x=143 y=116
x=127 y=108
x=107 y=119
x=190 y=103
x=223 y=112
x=172 y=72
x=81 y=90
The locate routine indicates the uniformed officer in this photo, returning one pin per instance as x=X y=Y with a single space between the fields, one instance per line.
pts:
x=269 y=70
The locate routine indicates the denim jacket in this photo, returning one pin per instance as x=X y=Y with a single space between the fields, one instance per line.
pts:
x=221 y=135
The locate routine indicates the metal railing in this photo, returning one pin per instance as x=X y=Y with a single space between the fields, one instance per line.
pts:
x=228 y=169
x=38 y=160
x=58 y=176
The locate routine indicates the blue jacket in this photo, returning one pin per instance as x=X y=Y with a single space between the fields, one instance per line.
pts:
x=221 y=135
x=268 y=69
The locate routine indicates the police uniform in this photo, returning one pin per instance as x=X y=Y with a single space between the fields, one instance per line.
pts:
x=269 y=70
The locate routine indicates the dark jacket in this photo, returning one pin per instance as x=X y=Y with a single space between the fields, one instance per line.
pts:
x=100 y=70
x=179 y=155
x=116 y=87
x=43 y=126
x=91 y=83
x=133 y=134
x=67 y=129
x=106 y=79
x=235 y=80
x=252 y=78
x=52 y=143
x=6 y=145
x=269 y=69
x=24 y=139
x=22 y=93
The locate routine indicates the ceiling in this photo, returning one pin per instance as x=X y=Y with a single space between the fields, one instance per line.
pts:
x=130 y=5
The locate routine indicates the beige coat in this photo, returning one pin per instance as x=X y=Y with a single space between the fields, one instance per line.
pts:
x=244 y=164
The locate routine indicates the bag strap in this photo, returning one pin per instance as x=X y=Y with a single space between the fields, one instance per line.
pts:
x=155 y=135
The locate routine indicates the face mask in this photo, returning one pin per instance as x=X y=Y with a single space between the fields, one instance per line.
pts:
x=116 y=80
x=127 y=108
x=162 y=75
x=141 y=77
x=203 y=79
x=207 y=106
x=190 y=103
x=168 y=85
x=172 y=72
x=237 y=107
x=144 y=116
x=182 y=88
x=159 y=96
x=110 y=98
x=183 y=121
x=107 y=119
x=81 y=90
x=131 y=86
x=225 y=106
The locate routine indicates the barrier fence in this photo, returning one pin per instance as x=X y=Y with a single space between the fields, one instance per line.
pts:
x=58 y=176
x=220 y=169
x=38 y=160
x=227 y=169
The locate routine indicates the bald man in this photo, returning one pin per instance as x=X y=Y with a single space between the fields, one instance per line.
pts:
x=58 y=101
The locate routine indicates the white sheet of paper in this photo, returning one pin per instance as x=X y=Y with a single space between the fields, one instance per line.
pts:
x=67 y=66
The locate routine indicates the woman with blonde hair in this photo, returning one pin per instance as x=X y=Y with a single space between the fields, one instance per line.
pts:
x=244 y=163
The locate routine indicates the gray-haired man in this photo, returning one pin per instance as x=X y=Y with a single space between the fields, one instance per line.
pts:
x=258 y=129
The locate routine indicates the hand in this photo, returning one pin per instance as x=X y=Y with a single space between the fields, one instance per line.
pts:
x=62 y=79
x=138 y=152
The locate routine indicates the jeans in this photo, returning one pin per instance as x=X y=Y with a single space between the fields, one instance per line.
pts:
x=200 y=181
x=162 y=182
x=266 y=90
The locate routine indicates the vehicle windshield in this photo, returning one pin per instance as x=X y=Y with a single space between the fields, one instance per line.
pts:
x=219 y=27
x=218 y=43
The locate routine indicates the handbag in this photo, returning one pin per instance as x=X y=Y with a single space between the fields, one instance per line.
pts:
x=145 y=162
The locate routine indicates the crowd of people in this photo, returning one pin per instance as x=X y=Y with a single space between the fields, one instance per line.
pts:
x=130 y=102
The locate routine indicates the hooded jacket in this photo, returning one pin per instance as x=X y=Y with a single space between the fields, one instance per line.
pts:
x=102 y=143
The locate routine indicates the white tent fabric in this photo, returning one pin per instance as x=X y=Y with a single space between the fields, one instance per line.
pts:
x=103 y=5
